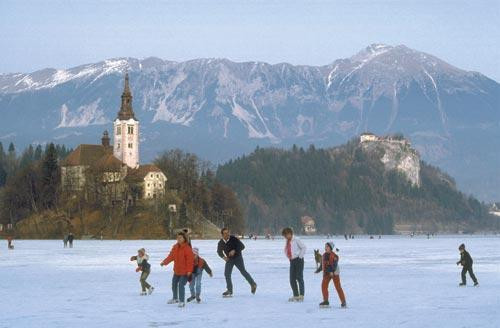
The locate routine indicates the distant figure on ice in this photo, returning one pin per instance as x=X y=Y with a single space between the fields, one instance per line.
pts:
x=65 y=240
x=229 y=249
x=466 y=262
x=331 y=271
x=183 y=258
x=195 y=284
x=10 y=245
x=71 y=237
x=295 y=251
x=144 y=267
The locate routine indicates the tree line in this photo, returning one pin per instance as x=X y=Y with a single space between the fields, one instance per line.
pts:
x=345 y=189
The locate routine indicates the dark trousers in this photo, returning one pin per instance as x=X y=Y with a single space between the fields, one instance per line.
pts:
x=144 y=283
x=178 y=287
x=297 y=276
x=240 y=265
x=471 y=273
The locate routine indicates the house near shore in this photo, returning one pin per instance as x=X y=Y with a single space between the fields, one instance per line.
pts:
x=308 y=225
x=114 y=171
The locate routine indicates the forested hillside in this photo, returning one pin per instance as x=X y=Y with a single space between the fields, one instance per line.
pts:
x=346 y=190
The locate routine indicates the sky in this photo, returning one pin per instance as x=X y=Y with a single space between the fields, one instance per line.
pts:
x=67 y=33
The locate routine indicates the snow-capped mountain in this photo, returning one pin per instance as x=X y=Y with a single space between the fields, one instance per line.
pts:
x=219 y=108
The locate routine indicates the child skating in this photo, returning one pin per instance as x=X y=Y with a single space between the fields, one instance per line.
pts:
x=195 y=284
x=183 y=258
x=144 y=267
x=331 y=272
x=466 y=262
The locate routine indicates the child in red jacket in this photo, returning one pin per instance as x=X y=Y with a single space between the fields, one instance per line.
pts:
x=331 y=272
x=183 y=258
x=199 y=265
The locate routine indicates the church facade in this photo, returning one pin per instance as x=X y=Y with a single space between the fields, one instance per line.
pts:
x=114 y=169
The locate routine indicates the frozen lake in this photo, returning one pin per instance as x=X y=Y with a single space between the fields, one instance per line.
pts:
x=391 y=282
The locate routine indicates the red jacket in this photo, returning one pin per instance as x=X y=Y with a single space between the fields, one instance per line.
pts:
x=183 y=258
x=330 y=263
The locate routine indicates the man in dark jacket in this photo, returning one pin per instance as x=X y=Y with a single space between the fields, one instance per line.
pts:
x=229 y=249
x=466 y=262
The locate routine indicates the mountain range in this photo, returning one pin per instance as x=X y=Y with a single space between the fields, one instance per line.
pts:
x=221 y=109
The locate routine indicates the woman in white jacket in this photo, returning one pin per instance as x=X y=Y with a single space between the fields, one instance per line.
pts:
x=295 y=251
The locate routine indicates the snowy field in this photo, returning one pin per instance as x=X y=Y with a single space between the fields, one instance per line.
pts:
x=392 y=282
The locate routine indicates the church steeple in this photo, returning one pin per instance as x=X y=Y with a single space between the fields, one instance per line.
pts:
x=126 y=112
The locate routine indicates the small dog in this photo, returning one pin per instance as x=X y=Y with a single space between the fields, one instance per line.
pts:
x=318 y=258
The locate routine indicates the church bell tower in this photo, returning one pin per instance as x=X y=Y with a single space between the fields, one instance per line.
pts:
x=126 y=131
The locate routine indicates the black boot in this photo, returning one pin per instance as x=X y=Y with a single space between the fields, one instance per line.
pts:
x=324 y=304
x=227 y=293
x=253 y=288
x=190 y=299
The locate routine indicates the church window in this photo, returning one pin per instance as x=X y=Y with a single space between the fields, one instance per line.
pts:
x=130 y=145
x=118 y=130
x=130 y=129
x=151 y=175
x=118 y=146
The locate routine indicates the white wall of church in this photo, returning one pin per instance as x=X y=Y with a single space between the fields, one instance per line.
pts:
x=126 y=141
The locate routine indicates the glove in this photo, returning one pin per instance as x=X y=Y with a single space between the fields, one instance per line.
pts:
x=138 y=269
x=133 y=258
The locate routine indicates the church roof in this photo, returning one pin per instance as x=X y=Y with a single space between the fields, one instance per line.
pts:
x=110 y=163
x=142 y=171
x=126 y=112
x=86 y=155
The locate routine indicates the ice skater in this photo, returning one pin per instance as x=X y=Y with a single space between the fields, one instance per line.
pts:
x=65 y=240
x=71 y=237
x=331 y=271
x=295 y=251
x=195 y=284
x=10 y=245
x=183 y=258
x=229 y=249
x=466 y=262
x=144 y=267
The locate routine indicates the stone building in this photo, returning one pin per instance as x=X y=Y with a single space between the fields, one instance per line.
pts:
x=114 y=168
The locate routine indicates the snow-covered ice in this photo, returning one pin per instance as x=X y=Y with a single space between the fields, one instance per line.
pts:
x=391 y=282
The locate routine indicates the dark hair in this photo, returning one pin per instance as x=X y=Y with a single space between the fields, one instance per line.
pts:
x=224 y=229
x=462 y=246
x=287 y=231
x=183 y=234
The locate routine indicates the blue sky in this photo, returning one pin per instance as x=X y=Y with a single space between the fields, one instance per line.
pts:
x=39 y=34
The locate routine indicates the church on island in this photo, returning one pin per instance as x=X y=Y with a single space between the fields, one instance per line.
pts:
x=114 y=171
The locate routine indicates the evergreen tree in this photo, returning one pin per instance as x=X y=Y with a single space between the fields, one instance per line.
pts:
x=50 y=176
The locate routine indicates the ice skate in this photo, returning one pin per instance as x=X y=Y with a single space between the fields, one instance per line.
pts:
x=190 y=299
x=173 y=301
x=198 y=300
x=293 y=299
x=150 y=290
x=300 y=298
x=324 y=305
x=476 y=284
x=181 y=304
x=143 y=293
x=227 y=294
x=462 y=284
x=253 y=288
x=343 y=305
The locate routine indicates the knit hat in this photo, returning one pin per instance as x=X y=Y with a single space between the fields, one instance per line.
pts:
x=462 y=246
x=196 y=251
x=331 y=245
x=142 y=250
